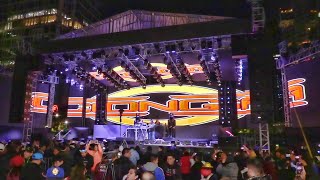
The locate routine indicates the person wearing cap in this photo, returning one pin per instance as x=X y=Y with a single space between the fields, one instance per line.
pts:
x=15 y=164
x=33 y=171
x=27 y=154
x=56 y=172
x=2 y=147
x=207 y=172
x=86 y=159
x=68 y=161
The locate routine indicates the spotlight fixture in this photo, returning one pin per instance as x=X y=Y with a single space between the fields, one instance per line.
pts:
x=127 y=65
x=153 y=72
x=114 y=78
x=173 y=69
x=184 y=70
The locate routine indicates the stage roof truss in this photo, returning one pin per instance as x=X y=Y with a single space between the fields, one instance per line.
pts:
x=147 y=49
x=137 y=20
x=206 y=49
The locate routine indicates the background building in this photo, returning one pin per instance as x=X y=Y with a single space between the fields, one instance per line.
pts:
x=299 y=21
x=23 y=22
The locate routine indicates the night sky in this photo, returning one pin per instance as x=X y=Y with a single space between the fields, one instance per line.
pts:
x=233 y=8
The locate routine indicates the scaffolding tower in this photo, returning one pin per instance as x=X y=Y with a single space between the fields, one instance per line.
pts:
x=32 y=80
x=258 y=16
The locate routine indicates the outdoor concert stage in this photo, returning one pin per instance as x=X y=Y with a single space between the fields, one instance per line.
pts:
x=179 y=64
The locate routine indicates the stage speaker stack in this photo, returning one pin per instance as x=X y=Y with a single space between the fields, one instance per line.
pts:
x=228 y=104
x=23 y=65
x=262 y=77
x=101 y=101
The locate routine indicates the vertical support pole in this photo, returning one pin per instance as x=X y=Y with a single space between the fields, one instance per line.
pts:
x=84 y=105
x=52 y=89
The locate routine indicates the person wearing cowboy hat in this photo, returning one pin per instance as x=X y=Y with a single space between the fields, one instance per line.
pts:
x=207 y=172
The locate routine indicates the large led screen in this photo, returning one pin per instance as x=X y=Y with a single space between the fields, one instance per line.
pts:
x=304 y=93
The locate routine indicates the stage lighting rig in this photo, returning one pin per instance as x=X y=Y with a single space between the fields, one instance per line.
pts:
x=153 y=71
x=205 y=68
x=238 y=68
x=173 y=69
x=216 y=67
x=183 y=69
x=114 y=78
x=82 y=75
x=127 y=65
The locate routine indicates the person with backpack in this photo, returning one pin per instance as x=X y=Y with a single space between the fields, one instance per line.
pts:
x=153 y=167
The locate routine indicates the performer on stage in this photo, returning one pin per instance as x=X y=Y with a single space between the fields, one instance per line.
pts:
x=171 y=126
x=137 y=120
x=151 y=130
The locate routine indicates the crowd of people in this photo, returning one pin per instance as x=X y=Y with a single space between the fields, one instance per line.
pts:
x=74 y=160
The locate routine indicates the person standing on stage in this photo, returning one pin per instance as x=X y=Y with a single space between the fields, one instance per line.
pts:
x=171 y=127
x=151 y=130
x=137 y=120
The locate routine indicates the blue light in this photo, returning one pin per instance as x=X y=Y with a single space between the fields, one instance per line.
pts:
x=66 y=70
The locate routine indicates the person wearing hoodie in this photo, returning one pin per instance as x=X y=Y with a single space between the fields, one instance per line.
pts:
x=153 y=167
x=185 y=165
x=123 y=164
x=226 y=167
x=135 y=157
x=171 y=169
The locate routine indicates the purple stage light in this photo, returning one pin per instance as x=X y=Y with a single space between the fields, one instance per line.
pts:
x=66 y=70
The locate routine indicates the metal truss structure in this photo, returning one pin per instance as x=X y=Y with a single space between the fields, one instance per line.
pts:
x=205 y=47
x=137 y=20
x=285 y=60
x=281 y=63
x=258 y=16
x=33 y=79
x=31 y=86
x=304 y=54
x=264 y=140
x=197 y=45
x=52 y=80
